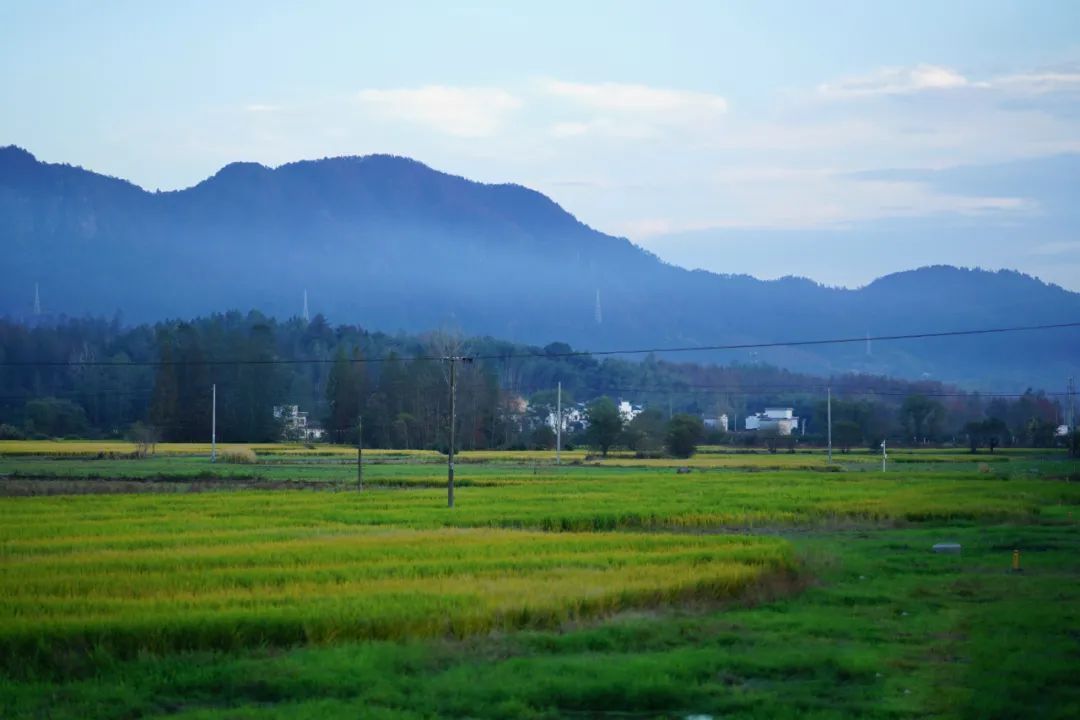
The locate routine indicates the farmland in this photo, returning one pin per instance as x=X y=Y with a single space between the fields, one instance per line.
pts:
x=755 y=585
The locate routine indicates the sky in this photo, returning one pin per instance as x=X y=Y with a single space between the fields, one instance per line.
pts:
x=835 y=140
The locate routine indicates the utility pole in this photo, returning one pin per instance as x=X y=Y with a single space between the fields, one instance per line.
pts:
x=829 y=414
x=558 y=425
x=883 y=456
x=213 y=423
x=1072 y=406
x=360 y=452
x=453 y=426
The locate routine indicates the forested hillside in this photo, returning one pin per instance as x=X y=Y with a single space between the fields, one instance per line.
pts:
x=389 y=243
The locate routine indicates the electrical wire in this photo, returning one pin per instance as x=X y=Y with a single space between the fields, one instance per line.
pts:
x=542 y=354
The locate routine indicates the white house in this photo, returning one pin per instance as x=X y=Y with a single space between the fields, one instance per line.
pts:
x=714 y=423
x=574 y=418
x=294 y=424
x=782 y=420
x=627 y=411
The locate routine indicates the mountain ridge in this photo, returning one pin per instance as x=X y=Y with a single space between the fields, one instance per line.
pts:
x=394 y=244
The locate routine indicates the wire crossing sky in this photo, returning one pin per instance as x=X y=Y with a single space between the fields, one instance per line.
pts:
x=542 y=354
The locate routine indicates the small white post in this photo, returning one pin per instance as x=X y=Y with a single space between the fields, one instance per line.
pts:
x=558 y=426
x=883 y=456
x=213 y=423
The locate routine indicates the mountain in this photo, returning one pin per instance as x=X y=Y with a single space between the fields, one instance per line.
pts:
x=389 y=243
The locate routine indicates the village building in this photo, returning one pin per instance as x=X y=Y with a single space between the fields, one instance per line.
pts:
x=779 y=420
x=295 y=426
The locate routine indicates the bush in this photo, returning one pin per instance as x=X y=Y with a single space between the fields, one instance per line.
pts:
x=239 y=456
x=542 y=438
x=10 y=432
x=145 y=438
x=55 y=418
x=684 y=433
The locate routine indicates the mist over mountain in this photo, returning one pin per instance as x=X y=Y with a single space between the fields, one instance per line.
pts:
x=391 y=244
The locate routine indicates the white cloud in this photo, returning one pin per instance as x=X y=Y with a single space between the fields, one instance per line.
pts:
x=627 y=111
x=623 y=97
x=898 y=81
x=457 y=111
x=1039 y=83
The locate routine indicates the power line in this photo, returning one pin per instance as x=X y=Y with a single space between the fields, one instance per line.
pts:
x=541 y=353
x=763 y=390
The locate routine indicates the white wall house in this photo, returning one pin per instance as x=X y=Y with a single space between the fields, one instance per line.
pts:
x=627 y=411
x=574 y=418
x=717 y=423
x=294 y=424
x=782 y=420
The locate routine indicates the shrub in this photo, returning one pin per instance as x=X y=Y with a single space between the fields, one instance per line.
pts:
x=10 y=432
x=145 y=438
x=239 y=456
x=683 y=435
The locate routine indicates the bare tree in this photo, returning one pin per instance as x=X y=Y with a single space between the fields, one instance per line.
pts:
x=145 y=437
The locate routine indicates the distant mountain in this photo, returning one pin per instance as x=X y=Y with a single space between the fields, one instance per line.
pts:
x=392 y=244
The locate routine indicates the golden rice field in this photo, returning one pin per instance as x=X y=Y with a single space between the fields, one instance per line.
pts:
x=125 y=577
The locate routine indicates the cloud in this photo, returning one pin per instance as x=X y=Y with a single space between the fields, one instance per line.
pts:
x=470 y=112
x=627 y=111
x=623 y=97
x=898 y=81
x=1039 y=83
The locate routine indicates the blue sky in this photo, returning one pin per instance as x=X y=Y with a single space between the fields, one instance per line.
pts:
x=839 y=140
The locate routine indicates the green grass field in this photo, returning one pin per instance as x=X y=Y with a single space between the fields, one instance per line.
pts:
x=602 y=589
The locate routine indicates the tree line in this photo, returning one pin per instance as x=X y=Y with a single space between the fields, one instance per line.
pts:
x=92 y=377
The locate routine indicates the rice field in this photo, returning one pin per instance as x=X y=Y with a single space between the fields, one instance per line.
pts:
x=109 y=602
x=121 y=588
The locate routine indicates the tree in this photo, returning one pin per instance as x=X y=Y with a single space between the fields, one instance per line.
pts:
x=54 y=417
x=683 y=435
x=605 y=424
x=343 y=388
x=995 y=431
x=974 y=432
x=542 y=438
x=1041 y=433
x=921 y=417
x=845 y=434
x=646 y=433
x=991 y=432
x=145 y=438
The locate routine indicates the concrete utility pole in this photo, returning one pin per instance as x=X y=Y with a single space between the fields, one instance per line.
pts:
x=453 y=427
x=1072 y=406
x=360 y=452
x=213 y=423
x=829 y=414
x=558 y=425
x=883 y=456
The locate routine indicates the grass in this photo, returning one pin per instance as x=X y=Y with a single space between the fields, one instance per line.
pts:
x=617 y=589
x=889 y=631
